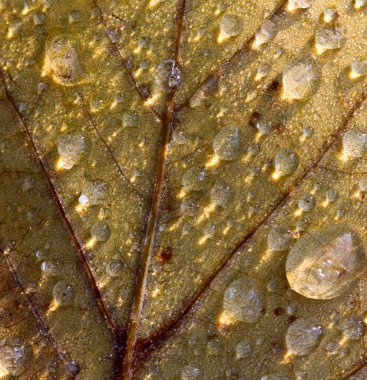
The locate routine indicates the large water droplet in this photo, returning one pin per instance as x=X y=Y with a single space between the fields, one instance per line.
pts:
x=280 y=238
x=15 y=355
x=169 y=76
x=196 y=179
x=244 y=300
x=286 y=162
x=62 y=61
x=328 y=39
x=326 y=263
x=299 y=79
x=227 y=144
x=230 y=26
x=63 y=293
x=71 y=148
x=303 y=337
x=266 y=32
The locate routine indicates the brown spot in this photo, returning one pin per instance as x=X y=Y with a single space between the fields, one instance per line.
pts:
x=279 y=311
x=164 y=255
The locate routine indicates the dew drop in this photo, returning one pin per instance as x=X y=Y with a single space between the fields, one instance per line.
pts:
x=196 y=179
x=307 y=202
x=243 y=348
x=62 y=61
x=299 y=79
x=227 y=144
x=63 y=293
x=329 y=15
x=244 y=300
x=100 y=231
x=332 y=195
x=191 y=373
x=354 y=144
x=169 y=76
x=303 y=337
x=49 y=268
x=358 y=69
x=94 y=193
x=299 y=4
x=302 y=223
x=328 y=39
x=114 y=268
x=15 y=356
x=360 y=3
x=326 y=263
x=220 y=194
x=362 y=184
x=71 y=148
x=280 y=238
x=230 y=26
x=266 y=32
x=130 y=119
x=354 y=328
x=286 y=162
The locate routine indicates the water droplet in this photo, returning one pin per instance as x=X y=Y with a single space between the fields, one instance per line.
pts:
x=244 y=300
x=220 y=194
x=360 y=3
x=63 y=293
x=276 y=376
x=243 y=348
x=227 y=144
x=299 y=4
x=354 y=144
x=354 y=328
x=100 y=231
x=196 y=179
x=15 y=355
x=266 y=32
x=169 y=76
x=328 y=39
x=362 y=184
x=49 y=268
x=332 y=195
x=130 y=119
x=62 y=61
x=191 y=373
x=94 y=193
x=303 y=337
x=286 y=162
x=71 y=148
x=330 y=15
x=302 y=223
x=307 y=202
x=299 y=79
x=230 y=26
x=280 y=238
x=358 y=69
x=114 y=268
x=326 y=263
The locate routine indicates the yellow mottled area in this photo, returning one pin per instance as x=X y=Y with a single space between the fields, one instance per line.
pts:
x=152 y=153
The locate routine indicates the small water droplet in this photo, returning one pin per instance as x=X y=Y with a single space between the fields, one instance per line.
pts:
x=354 y=328
x=332 y=195
x=303 y=337
x=49 y=268
x=196 y=179
x=302 y=223
x=307 y=202
x=299 y=4
x=71 y=148
x=191 y=373
x=266 y=32
x=244 y=300
x=326 y=263
x=286 y=162
x=330 y=15
x=63 y=293
x=354 y=144
x=220 y=194
x=94 y=193
x=328 y=39
x=276 y=376
x=15 y=356
x=114 y=268
x=169 y=76
x=130 y=119
x=299 y=79
x=100 y=231
x=280 y=238
x=362 y=184
x=230 y=26
x=227 y=144
x=243 y=348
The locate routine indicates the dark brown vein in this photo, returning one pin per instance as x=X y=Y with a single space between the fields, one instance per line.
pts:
x=147 y=345
x=223 y=66
x=100 y=304
x=153 y=220
x=143 y=94
x=119 y=168
x=43 y=325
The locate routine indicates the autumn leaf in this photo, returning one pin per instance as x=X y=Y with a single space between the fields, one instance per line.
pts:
x=182 y=189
